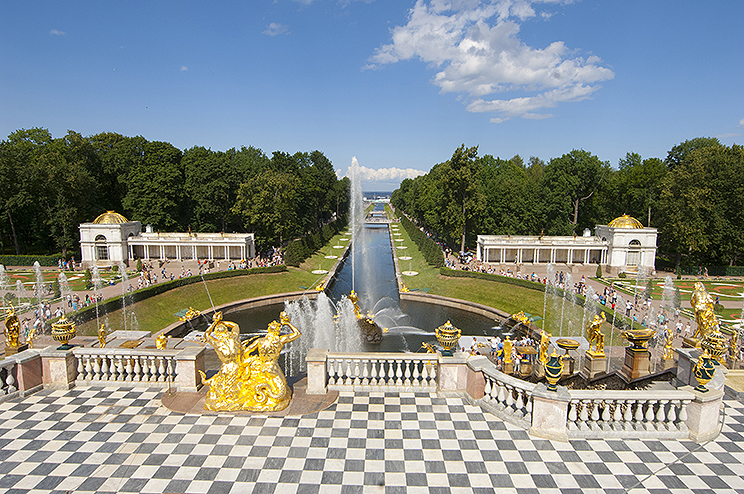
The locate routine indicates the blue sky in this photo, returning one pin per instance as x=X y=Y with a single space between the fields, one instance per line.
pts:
x=398 y=84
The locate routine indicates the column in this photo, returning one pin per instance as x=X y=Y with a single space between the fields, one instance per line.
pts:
x=210 y=248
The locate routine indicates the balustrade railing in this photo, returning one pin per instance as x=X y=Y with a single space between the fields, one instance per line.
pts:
x=603 y=413
x=388 y=371
x=121 y=365
x=8 y=384
x=508 y=397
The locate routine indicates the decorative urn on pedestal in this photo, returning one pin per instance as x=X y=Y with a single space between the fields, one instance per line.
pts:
x=447 y=336
x=553 y=370
x=63 y=331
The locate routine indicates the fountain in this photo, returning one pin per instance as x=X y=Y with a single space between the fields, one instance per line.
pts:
x=64 y=289
x=3 y=281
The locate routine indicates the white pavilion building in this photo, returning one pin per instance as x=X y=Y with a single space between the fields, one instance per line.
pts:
x=623 y=245
x=111 y=238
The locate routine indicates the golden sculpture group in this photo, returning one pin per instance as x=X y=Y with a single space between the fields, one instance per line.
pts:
x=12 y=329
x=248 y=382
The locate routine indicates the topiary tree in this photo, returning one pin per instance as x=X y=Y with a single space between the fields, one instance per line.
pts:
x=599 y=270
x=138 y=266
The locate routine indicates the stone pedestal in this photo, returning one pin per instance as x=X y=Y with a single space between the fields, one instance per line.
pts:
x=453 y=374
x=59 y=369
x=569 y=366
x=13 y=350
x=668 y=364
x=525 y=367
x=549 y=411
x=594 y=365
x=538 y=369
x=636 y=364
x=509 y=368
x=316 y=371
x=189 y=361
x=28 y=372
x=703 y=415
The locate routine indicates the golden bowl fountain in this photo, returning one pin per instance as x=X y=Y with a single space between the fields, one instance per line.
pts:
x=639 y=338
x=63 y=331
x=567 y=344
x=447 y=336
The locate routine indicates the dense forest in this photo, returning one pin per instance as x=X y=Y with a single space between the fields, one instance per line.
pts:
x=695 y=197
x=51 y=185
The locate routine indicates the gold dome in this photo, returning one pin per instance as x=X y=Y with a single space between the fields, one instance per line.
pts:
x=110 y=218
x=625 y=221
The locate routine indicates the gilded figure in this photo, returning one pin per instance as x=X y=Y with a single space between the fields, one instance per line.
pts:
x=596 y=338
x=12 y=328
x=703 y=305
x=102 y=336
x=507 y=350
x=248 y=382
x=544 y=342
x=668 y=348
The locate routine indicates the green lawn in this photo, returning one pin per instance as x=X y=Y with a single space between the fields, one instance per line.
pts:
x=725 y=289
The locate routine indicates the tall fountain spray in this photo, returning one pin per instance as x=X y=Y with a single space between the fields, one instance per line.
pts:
x=3 y=282
x=64 y=289
x=19 y=292
x=356 y=212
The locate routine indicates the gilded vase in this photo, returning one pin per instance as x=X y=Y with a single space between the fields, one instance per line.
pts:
x=553 y=371
x=63 y=331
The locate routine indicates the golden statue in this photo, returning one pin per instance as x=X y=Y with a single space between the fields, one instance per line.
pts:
x=161 y=342
x=544 y=342
x=102 y=336
x=596 y=338
x=248 y=382
x=12 y=328
x=190 y=314
x=507 y=351
x=31 y=336
x=702 y=303
x=668 y=349
x=355 y=300
x=521 y=317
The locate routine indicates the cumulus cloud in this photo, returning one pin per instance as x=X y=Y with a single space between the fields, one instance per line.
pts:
x=275 y=29
x=741 y=122
x=475 y=46
x=57 y=32
x=184 y=68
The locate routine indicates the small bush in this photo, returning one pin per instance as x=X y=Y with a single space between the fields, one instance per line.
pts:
x=599 y=270
x=622 y=275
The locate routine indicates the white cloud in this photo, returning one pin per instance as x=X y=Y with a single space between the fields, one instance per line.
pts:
x=741 y=122
x=57 y=32
x=475 y=47
x=184 y=68
x=275 y=29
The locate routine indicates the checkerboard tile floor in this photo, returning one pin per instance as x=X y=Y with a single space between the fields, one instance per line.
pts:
x=114 y=440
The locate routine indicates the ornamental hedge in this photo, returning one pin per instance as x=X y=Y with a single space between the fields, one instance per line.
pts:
x=302 y=248
x=429 y=248
x=13 y=260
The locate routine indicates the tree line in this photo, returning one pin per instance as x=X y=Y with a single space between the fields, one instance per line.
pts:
x=51 y=185
x=694 y=197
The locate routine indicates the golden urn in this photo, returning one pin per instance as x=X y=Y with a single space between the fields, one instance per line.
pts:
x=639 y=338
x=715 y=345
x=447 y=336
x=553 y=370
x=63 y=331
x=567 y=344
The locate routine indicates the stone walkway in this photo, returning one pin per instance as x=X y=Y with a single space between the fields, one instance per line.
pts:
x=124 y=440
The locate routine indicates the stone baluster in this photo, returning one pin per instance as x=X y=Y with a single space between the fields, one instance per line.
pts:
x=153 y=364
x=145 y=375
x=407 y=373
x=638 y=418
x=96 y=369
x=683 y=414
x=373 y=381
x=661 y=415
x=572 y=416
x=672 y=416
x=628 y=415
x=89 y=375
x=584 y=415
x=331 y=371
x=650 y=415
x=170 y=370
x=509 y=399
x=416 y=375
x=130 y=369
x=161 y=369
x=106 y=370
x=390 y=380
x=137 y=371
x=617 y=416
x=502 y=396
x=399 y=374
x=357 y=372
x=433 y=373
x=528 y=407
x=487 y=387
x=519 y=405
x=9 y=383
x=80 y=368
x=594 y=424
x=346 y=372
x=365 y=372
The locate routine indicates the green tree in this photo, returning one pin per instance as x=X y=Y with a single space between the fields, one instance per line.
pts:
x=155 y=187
x=676 y=156
x=266 y=203
x=461 y=197
x=637 y=186
x=570 y=181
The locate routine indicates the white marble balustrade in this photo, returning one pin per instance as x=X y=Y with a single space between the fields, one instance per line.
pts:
x=508 y=397
x=123 y=365
x=632 y=413
x=382 y=371
x=8 y=388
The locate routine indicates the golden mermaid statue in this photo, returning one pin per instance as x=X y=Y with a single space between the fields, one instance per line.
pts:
x=248 y=382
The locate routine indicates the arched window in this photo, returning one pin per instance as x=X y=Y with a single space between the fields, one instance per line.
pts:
x=101 y=248
x=634 y=253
